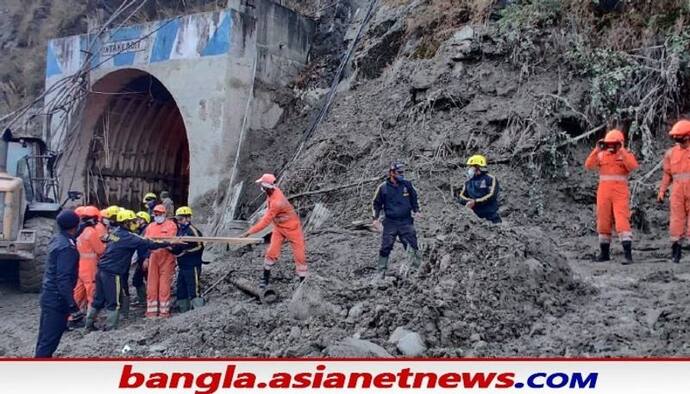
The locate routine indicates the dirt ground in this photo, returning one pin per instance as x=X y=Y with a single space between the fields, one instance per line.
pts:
x=614 y=310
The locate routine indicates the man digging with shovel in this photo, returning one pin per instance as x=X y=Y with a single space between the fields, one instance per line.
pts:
x=286 y=227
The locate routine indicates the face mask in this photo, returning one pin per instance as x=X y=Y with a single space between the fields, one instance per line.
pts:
x=159 y=219
x=471 y=172
x=399 y=177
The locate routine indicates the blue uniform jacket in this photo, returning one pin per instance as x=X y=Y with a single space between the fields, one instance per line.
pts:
x=189 y=254
x=60 y=275
x=120 y=247
x=397 y=201
x=142 y=251
x=483 y=189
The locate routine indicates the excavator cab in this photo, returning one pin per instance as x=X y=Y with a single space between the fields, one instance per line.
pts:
x=28 y=206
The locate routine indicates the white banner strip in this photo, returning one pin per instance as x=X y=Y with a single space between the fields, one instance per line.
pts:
x=360 y=376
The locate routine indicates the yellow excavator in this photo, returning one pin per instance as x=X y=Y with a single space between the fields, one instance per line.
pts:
x=28 y=206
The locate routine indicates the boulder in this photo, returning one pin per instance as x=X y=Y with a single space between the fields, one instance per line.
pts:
x=408 y=342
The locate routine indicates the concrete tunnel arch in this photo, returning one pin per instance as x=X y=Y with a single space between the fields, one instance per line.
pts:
x=137 y=141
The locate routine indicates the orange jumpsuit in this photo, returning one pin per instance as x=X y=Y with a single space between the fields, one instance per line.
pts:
x=90 y=247
x=613 y=196
x=161 y=269
x=286 y=226
x=677 y=171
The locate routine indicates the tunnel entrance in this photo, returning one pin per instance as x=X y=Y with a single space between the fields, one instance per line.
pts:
x=139 y=142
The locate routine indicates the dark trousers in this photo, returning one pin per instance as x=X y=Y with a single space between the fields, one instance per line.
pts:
x=188 y=283
x=491 y=216
x=404 y=231
x=53 y=324
x=139 y=274
x=108 y=291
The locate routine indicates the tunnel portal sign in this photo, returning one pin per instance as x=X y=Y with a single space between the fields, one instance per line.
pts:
x=117 y=47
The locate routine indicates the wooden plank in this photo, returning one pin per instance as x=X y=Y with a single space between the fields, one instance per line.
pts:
x=226 y=240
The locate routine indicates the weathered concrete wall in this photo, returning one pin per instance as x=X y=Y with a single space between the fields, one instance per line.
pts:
x=208 y=62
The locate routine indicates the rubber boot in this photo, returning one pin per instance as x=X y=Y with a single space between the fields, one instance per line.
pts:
x=415 y=259
x=184 y=305
x=676 y=252
x=141 y=296
x=124 y=306
x=627 y=252
x=382 y=266
x=197 y=302
x=265 y=280
x=604 y=254
x=89 y=320
x=111 y=320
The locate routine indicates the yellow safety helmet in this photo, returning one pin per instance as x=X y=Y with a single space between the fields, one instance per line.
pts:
x=125 y=215
x=183 y=211
x=149 y=196
x=112 y=211
x=477 y=160
x=145 y=216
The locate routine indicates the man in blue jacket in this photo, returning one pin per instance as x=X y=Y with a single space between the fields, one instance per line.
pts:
x=397 y=198
x=480 y=191
x=188 y=262
x=113 y=265
x=59 y=279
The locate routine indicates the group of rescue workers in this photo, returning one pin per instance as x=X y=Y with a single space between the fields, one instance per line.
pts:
x=90 y=258
x=89 y=264
x=615 y=163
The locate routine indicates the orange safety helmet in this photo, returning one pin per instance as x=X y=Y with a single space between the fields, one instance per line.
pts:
x=614 y=136
x=160 y=208
x=79 y=211
x=267 y=180
x=681 y=128
x=90 y=211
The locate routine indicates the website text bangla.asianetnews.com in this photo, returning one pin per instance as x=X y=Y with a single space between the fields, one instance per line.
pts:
x=322 y=378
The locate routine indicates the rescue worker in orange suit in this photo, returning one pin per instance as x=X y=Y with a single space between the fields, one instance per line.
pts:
x=676 y=167
x=139 y=276
x=59 y=278
x=120 y=246
x=160 y=265
x=90 y=247
x=615 y=163
x=286 y=227
x=189 y=262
